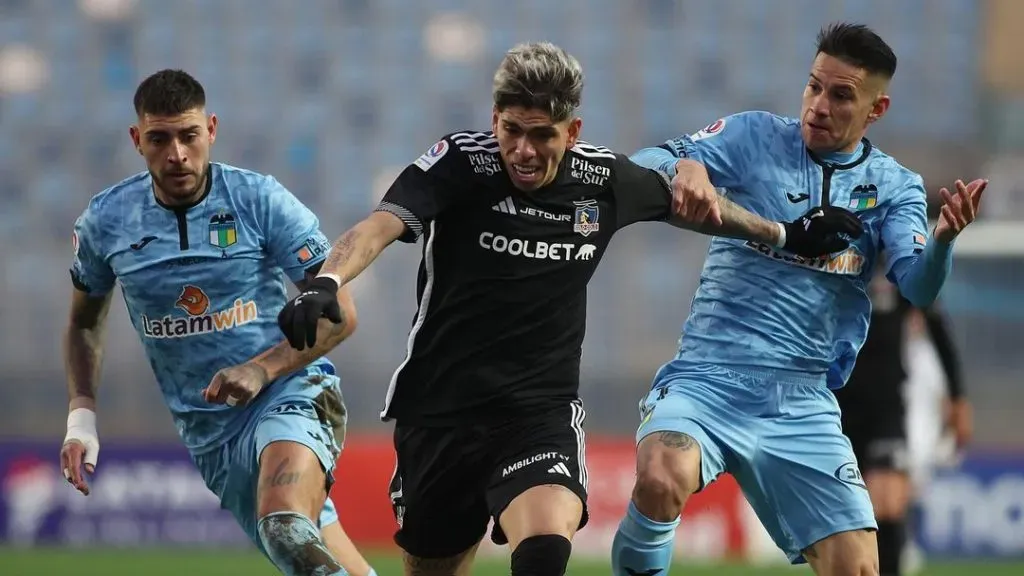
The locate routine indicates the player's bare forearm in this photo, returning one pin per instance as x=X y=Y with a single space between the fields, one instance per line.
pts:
x=737 y=222
x=354 y=250
x=282 y=359
x=83 y=349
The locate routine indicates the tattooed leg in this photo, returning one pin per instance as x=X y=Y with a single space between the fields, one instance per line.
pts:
x=668 y=472
x=291 y=493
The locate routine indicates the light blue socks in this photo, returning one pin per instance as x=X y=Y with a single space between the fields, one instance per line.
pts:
x=642 y=547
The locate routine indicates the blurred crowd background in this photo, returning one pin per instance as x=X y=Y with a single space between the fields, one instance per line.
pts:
x=334 y=97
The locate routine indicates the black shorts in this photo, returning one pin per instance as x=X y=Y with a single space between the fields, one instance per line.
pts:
x=875 y=420
x=450 y=482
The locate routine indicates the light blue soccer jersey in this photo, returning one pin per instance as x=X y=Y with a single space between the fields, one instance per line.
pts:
x=203 y=284
x=760 y=308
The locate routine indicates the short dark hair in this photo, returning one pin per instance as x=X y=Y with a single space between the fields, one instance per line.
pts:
x=169 y=93
x=540 y=76
x=858 y=45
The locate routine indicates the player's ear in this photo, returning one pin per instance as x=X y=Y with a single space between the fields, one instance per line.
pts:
x=211 y=127
x=573 y=130
x=879 y=108
x=494 y=119
x=136 y=136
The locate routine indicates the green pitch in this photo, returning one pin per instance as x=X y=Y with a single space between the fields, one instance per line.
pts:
x=45 y=561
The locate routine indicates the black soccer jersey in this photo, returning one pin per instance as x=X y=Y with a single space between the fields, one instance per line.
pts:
x=502 y=284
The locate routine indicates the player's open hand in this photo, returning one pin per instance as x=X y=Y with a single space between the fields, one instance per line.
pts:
x=958 y=210
x=300 y=318
x=694 y=198
x=822 y=230
x=236 y=385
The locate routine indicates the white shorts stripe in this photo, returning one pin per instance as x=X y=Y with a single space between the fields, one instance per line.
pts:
x=576 y=423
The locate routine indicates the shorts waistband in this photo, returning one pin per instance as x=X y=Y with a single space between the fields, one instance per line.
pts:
x=780 y=375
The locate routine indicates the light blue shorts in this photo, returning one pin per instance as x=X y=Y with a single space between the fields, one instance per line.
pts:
x=313 y=415
x=781 y=440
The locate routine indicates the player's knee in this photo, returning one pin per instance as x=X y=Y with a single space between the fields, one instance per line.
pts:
x=861 y=566
x=293 y=543
x=846 y=554
x=665 y=479
x=546 y=555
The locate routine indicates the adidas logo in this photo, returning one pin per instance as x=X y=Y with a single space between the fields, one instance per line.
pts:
x=505 y=207
x=560 y=468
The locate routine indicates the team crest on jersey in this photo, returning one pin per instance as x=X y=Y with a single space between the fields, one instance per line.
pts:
x=198 y=318
x=222 y=230
x=863 y=197
x=710 y=130
x=431 y=156
x=585 y=218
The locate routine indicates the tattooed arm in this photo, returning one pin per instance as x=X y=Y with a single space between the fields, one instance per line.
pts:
x=283 y=359
x=360 y=245
x=647 y=194
x=737 y=222
x=83 y=347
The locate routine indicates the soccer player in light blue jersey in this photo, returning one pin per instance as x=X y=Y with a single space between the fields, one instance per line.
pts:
x=201 y=251
x=770 y=332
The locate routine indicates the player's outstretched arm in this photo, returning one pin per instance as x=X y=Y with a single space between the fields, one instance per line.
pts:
x=919 y=267
x=690 y=201
x=83 y=355
x=240 y=384
x=326 y=296
x=354 y=250
x=283 y=359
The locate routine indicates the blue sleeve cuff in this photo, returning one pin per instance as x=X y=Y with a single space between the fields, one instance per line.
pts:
x=920 y=278
x=658 y=159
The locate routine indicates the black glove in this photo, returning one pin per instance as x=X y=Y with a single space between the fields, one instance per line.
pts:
x=299 y=317
x=822 y=230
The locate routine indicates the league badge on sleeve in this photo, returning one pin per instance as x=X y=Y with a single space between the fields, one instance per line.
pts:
x=710 y=130
x=920 y=241
x=584 y=219
x=312 y=248
x=222 y=230
x=74 y=242
x=431 y=156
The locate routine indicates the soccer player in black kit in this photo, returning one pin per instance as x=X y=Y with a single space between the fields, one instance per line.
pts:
x=514 y=222
x=874 y=411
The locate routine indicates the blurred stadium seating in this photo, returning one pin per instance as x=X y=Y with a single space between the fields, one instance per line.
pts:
x=334 y=96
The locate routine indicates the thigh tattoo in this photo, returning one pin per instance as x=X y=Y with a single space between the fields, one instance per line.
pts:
x=677 y=440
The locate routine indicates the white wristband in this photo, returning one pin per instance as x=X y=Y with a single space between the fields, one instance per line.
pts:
x=335 y=277
x=782 y=235
x=82 y=427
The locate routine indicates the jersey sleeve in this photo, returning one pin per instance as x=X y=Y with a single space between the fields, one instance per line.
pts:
x=641 y=194
x=292 y=235
x=904 y=228
x=426 y=188
x=90 y=271
x=725 y=147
